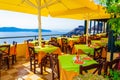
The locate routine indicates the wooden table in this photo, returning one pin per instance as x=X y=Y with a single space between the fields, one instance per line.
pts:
x=69 y=69
x=85 y=48
x=42 y=51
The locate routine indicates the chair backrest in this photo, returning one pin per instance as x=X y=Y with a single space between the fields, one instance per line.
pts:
x=104 y=52
x=54 y=64
x=30 y=40
x=15 y=46
x=97 y=53
x=112 y=65
x=94 y=37
x=5 y=49
x=82 y=39
x=54 y=39
x=54 y=42
x=64 y=41
x=97 y=67
x=14 y=42
x=31 y=51
x=0 y=62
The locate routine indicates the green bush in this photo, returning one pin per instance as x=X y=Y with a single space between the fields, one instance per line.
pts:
x=114 y=75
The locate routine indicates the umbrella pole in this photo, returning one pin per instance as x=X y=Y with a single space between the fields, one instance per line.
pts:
x=87 y=32
x=39 y=23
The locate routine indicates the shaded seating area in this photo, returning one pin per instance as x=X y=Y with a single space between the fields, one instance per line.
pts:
x=59 y=62
x=67 y=60
x=65 y=57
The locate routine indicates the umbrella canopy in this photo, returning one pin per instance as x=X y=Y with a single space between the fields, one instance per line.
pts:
x=45 y=7
x=85 y=13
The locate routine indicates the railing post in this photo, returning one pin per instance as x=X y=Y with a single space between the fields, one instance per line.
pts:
x=35 y=37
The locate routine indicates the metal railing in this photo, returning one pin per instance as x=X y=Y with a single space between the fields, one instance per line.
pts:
x=23 y=38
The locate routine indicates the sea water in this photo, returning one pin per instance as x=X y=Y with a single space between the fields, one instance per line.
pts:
x=20 y=40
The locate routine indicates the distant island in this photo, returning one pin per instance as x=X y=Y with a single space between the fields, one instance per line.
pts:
x=14 y=29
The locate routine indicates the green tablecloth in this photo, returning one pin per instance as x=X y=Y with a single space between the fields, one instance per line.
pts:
x=101 y=34
x=46 y=49
x=67 y=62
x=61 y=37
x=4 y=48
x=100 y=42
x=73 y=39
x=85 y=48
x=75 y=36
x=104 y=40
x=35 y=41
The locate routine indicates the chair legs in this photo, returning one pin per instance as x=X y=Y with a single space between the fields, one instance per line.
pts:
x=44 y=63
x=30 y=64
x=33 y=64
x=6 y=59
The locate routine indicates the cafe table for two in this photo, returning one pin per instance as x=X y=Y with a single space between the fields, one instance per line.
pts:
x=85 y=48
x=70 y=42
x=70 y=68
x=42 y=51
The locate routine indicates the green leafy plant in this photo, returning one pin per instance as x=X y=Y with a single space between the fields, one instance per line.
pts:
x=114 y=75
x=89 y=76
x=113 y=8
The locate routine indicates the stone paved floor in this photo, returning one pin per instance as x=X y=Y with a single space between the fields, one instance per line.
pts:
x=21 y=71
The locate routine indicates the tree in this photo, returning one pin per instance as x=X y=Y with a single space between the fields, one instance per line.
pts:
x=113 y=8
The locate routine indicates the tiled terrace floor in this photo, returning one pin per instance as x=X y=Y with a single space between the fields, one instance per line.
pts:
x=21 y=71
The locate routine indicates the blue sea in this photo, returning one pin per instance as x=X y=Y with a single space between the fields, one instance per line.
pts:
x=20 y=40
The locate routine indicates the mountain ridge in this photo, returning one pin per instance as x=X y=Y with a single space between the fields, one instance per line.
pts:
x=15 y=29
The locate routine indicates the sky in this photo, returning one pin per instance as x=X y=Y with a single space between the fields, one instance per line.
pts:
x=29 y=21
x=22 y=20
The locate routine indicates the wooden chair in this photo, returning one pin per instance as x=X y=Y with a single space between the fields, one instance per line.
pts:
x=30 y=40
x=5 y=50
x=54 y=42
x=112 y=65
x=33 y=60
x=82 y=39
x=54 y=65
x=104 y=53
x=0 y=63
x=97 y=53
x=97 y=67
x=15 y=52
x=65 y=47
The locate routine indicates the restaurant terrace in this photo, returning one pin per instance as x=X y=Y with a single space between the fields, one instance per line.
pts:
x=92 y=55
